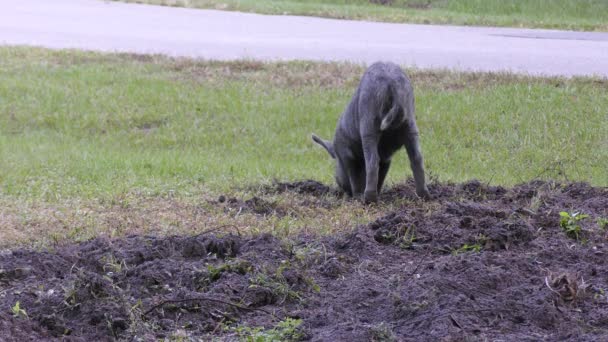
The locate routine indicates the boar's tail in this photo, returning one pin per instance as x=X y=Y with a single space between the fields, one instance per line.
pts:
x=395 y=115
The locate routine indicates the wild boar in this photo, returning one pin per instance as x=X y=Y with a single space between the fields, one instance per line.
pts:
x=377 y=122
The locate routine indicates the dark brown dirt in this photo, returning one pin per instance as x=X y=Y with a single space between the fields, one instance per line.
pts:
x=476 y=263
x=306 y=187
x=254 y=205
x=315 y=194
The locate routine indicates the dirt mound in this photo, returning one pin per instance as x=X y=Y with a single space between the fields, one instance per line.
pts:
x=254 y=205
x=305 y=187
x=477 y=263
x=318 y=195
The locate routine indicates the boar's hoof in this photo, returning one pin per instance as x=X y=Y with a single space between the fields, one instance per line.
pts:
x=424 y=194
x=370 y=197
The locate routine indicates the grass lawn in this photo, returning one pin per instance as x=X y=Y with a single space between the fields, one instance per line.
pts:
x=588 y=15
x=113 y=143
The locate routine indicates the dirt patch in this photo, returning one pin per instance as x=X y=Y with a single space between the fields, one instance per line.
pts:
x=299 y=74
x=280 y=74
x=254 y=205
x=305 y=187
x=313 y=194
x=308 y=193
x=382 y=2
x=477 y=263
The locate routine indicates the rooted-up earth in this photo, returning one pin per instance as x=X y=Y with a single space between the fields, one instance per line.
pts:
x=478 y=262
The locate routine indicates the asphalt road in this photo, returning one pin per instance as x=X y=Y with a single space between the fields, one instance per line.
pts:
x=111 y=26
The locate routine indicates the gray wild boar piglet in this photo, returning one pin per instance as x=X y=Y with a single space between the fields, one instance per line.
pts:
x=377 y=122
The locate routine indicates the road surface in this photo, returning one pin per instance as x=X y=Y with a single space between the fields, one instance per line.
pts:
x=112 y=26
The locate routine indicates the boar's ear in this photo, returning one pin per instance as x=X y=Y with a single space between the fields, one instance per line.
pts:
x=326 y=144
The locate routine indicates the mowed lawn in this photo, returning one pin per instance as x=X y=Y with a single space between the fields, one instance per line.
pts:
x=88 y=125
x=114 y=144
x=589 y=15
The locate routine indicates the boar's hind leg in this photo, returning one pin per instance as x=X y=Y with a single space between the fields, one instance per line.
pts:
x=412 y=146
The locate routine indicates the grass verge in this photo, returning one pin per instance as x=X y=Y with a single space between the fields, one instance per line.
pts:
x=116 y=144
x=588 y=15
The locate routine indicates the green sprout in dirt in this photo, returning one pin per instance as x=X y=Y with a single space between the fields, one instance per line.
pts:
x=308 y=280
x=215 y=272
x=112 y=265
x=602 y=222
x=408 y=238
x=404 y=238
x=307 y=256
x=18 y=311
x=600 y=294
x=467 y=248
x=69 y=297
x=279 y=288
x=570 y=223
x=285 y=330
x=382 y=333
x=235 y=266
x=276 y=285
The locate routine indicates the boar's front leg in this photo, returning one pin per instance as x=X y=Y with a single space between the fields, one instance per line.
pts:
x=372 y=165
x=412 y=145
x=342 y=177
x=356 y=176
x=384 y=166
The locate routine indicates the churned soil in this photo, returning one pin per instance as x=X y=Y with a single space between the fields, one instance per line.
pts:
x=309 y=186
x=254 y=205
x=477 y=262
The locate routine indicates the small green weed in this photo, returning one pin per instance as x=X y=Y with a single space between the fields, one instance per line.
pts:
x=570 y=223
x=307 y=256
x=382 y=333
x=277 y=285
x=600 y=292
x=602 y=222
x=286 y=330
x=111 y=264
x=18 y=311
x=408 y=238
x=236 y=266
x=69 y=295
x=467 y=248
x=214 y=272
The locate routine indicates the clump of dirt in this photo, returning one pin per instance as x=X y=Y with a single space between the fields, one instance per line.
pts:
x=280 y=74
x=381 y=2
x=254 y=205
x=305 y=187
x=476 y=263
x=312 y=194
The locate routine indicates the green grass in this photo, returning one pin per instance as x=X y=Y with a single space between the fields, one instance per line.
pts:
x=115 y=144
x=86 y=125
x=590 y=15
